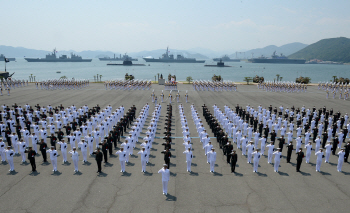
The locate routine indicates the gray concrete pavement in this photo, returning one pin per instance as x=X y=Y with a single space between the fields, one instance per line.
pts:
x=199 y=191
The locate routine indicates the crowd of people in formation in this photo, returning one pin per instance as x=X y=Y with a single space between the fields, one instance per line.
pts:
x=170 y=85
x=334 y=88
x=271 y=86
x=40 y=129
x=166 y=152
x=215 y=86
x=6 y=84
x=170 y=97
x=128 y=85
x=321 y=131
x=61 y=84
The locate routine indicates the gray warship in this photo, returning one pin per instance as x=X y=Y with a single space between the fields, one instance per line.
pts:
x=2 y=58
x=225 y=58
x=166 y=58
x=121 y=58
x=51 y=57
x=276 y=59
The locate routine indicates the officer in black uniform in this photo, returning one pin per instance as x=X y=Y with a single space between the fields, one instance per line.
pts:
x=43 y=149
x=233 y=157
x=300 y=156
x=31 y=158
x=289 y=151
x=98 y=158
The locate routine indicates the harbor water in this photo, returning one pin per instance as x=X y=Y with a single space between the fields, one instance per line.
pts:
x=236 y=73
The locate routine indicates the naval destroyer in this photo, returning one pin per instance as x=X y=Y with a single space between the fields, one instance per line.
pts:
x=2 y=58
x=166 y=58
x=225 y=58
x=51 y=57
x=276 y=59
x=121 y=58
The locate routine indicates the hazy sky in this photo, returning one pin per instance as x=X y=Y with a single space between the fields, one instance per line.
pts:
x=130 y=26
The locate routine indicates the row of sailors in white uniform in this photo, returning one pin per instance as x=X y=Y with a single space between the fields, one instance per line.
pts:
x=237 y=123
x=63 y=119
x=86 y=143
x=146 y=145
x=100 y=131
x=250 y=147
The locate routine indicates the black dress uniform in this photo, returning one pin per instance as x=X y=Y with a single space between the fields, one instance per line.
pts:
x=233 y=161
x=43 y=148
x=227 y=150
x=289 y=152
x=104 y=150
x=300 y=156
x=167 y=155
x=281 y=143
x=31 y=158
x=98 y=158
x=347 y=149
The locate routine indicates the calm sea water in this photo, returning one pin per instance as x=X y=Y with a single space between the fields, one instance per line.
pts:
x=237 y=72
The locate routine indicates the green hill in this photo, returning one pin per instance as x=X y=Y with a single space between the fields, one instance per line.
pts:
x=332 y=49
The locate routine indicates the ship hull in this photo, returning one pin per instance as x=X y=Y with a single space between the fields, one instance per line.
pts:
x=230 y=60
x=173 y=61
x=115 y=59
x=10 y=59
x=55 y=60
x=277 y=61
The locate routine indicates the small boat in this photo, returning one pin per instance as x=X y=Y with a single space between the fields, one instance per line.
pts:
x=58 y=72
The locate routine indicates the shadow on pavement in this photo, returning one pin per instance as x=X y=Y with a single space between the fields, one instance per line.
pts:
x=305 y=173
x=56 y=173
x=263 y=175
x=102 y=174
x=173 y=174
x=194 y=173
x=147 y=173
x=325 y=173
x=34 y=173
x=170 y=198
x=127 y=174
x=78 y=173
x=283 y=174
x=12 y=173
x=108 y=164
x=217 y=174
x=87 y=163
x=238 y=174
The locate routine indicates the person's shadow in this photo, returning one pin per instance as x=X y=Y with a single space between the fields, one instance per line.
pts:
x=171 y=197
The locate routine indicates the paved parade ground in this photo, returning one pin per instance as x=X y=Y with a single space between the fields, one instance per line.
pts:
x=199 y=191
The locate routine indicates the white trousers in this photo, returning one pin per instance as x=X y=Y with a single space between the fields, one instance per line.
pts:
x=3 y=156
x=64 y=155
x=318 y=165
x=189 y=162
x=122 y=165
x=340 y=164
x=165 y=187
x=269 y=157
x=143 y=164
x=23 y=156
x=91 y=148
x=212 y=166
x=84 y=155
x=75 y=162
x=54 y=164
x=249 y=159
x=327 y=156
x=277 y=164
x=256 y=165
x=308 y=157
x=12 y=166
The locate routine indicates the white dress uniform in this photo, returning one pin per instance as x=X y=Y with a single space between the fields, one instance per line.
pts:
x=143 y=160
x=127 y=146
x=53 y=158
x=63 y=150
x=270 y=150
x=2 y=151
x=83 y=146
x=189 y=157
x=165 y=179
x=257 y=156
x=22 y=149
x=212 y=159
x=90 y=141
x=308 y=152
x=9 y=156
x=75 y=159
x=34 y=142
x=250 y=148
x=328 y=148
x=122 y=158
x=341 y=155
x=319 y=155
x=278 y=156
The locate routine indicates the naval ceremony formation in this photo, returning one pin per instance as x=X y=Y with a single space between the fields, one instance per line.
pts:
x=204 y=131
